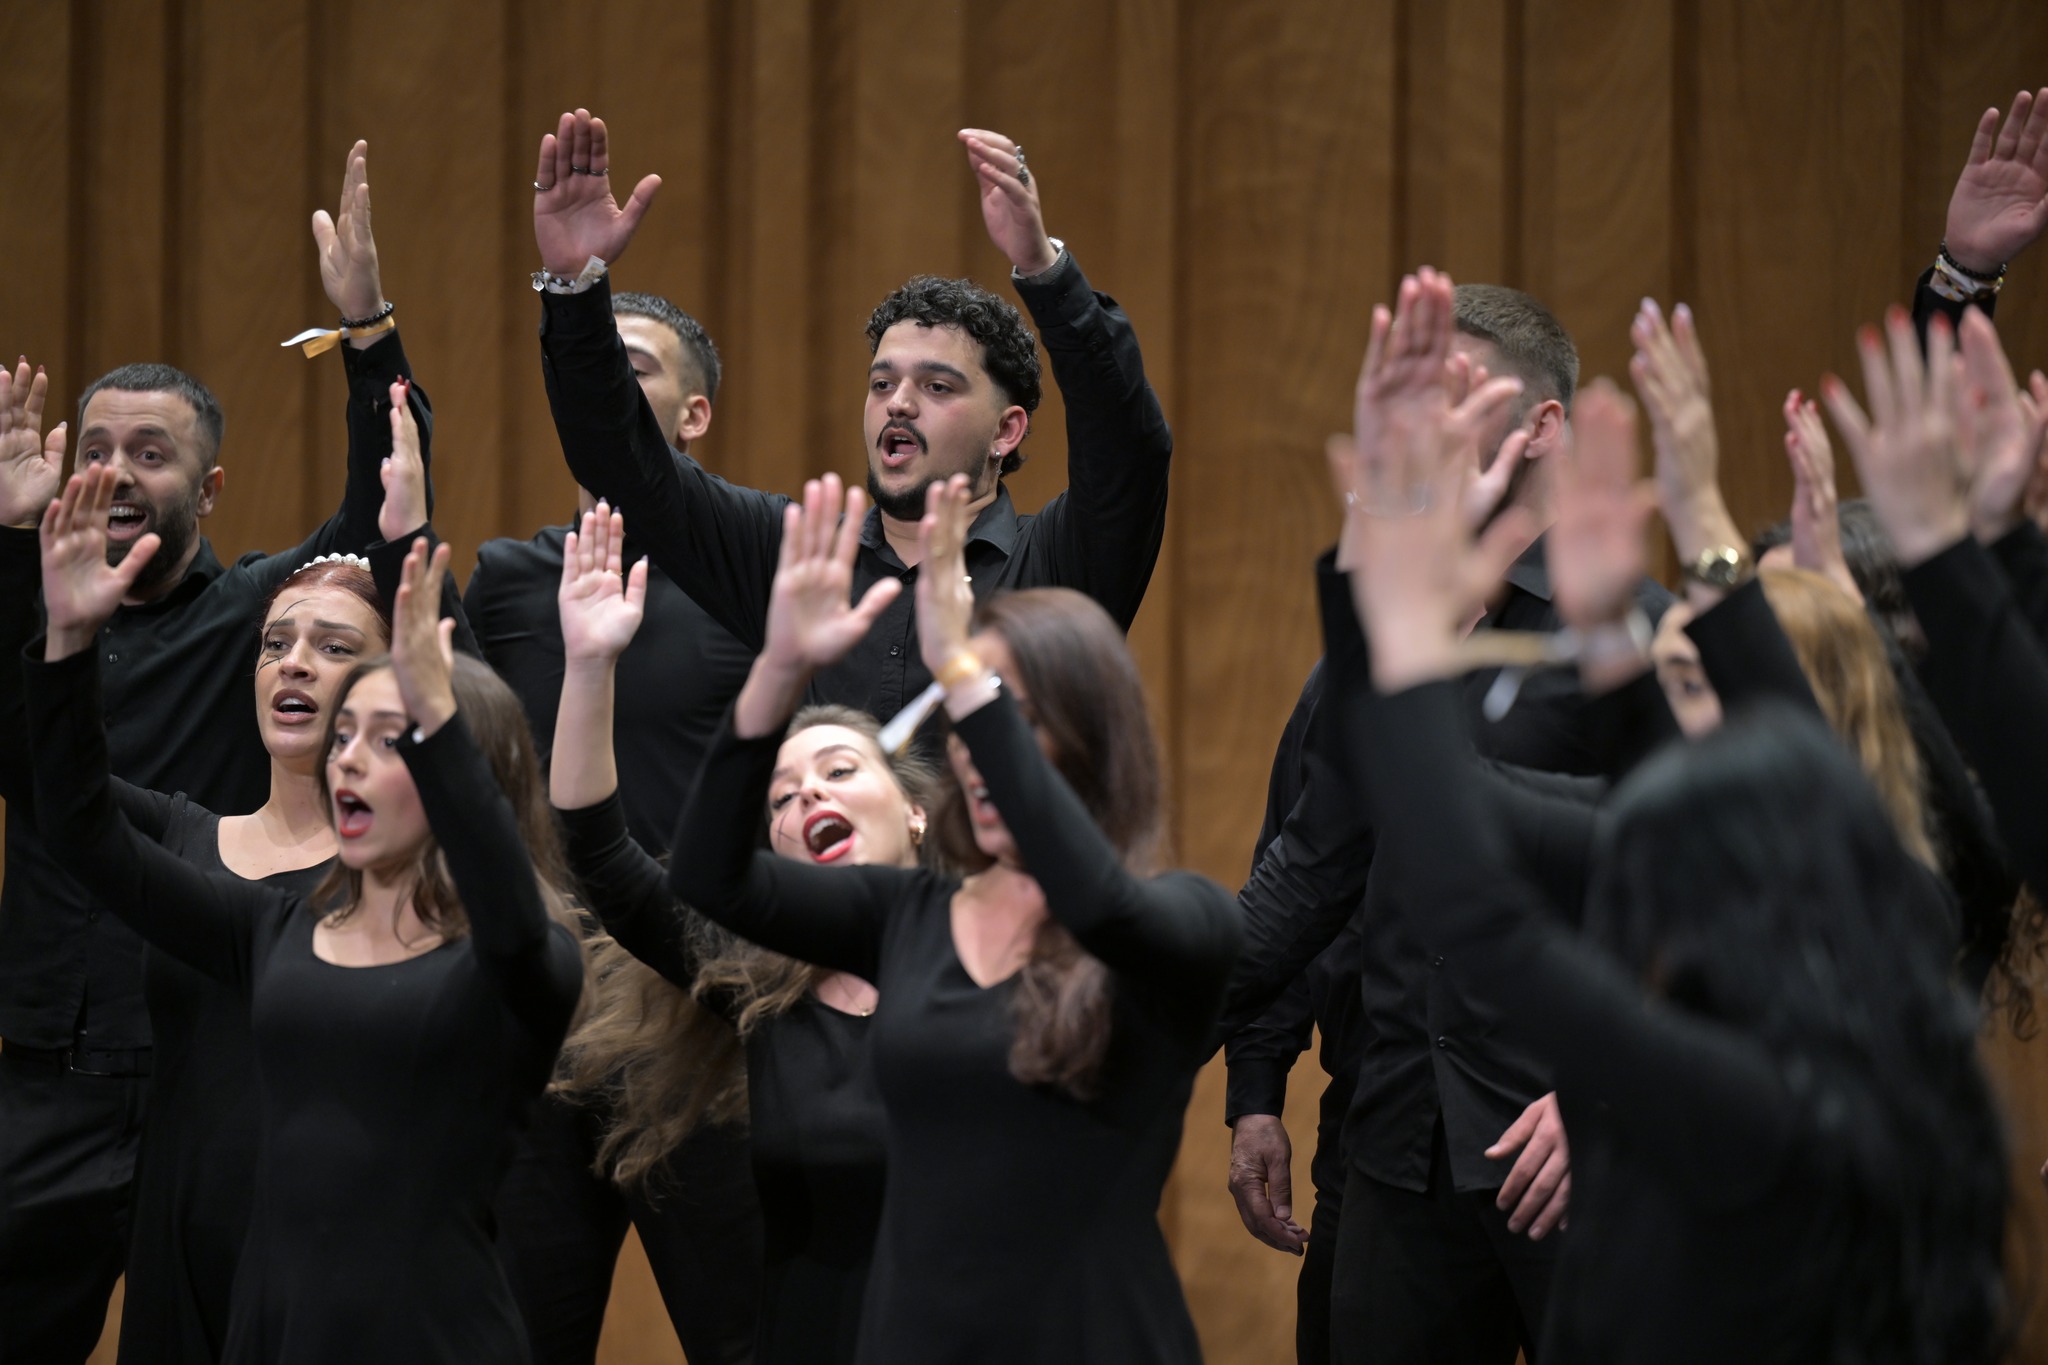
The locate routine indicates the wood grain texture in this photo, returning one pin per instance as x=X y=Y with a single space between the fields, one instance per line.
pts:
x=1247 y=181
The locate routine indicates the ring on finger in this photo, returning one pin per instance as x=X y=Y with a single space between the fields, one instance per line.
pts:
x=543 y=189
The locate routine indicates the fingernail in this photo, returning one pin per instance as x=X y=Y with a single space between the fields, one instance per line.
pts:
x=1683 y=312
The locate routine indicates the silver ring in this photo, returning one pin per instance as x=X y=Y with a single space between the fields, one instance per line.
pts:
x=1023 y=171
x=543 y=189
x=586 y=170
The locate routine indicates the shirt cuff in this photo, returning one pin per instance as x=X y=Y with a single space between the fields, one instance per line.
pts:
x=375 y=367
x=1060 y=294
x=579 y=316
x=1254 y=1087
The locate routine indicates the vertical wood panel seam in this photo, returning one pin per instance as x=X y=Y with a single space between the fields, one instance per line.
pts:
x=313 y=487
x=1685 y=149
x=1514 y=91
x=1403 y=129
x=175 y=202
x=77 y=203
x=520 y=344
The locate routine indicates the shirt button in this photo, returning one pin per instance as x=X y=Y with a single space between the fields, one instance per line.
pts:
x=895 y=651
x=113 y=658
x=1439 y=961
x=1443 y=1042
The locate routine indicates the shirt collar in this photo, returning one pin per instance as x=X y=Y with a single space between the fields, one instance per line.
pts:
x=1530 y=572
x=204 y=568
x=996 y=525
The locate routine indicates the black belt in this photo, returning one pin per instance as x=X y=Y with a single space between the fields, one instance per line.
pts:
x=82 y=1061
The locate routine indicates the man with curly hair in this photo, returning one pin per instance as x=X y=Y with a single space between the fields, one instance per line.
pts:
x=951 y=388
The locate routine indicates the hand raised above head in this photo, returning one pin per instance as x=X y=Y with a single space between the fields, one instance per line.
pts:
x=422 y=649
x=812 y=621
x=2000 y=203
x=31 y=465
x=1998 y=438
x=1905 y=446
x=1009 y=201
x=404 y=472
x=945 y=594
x=348 y=251
x=574 y=214
x=1816 y=507
x=601 y=608
x=80 y=589
x=1596 y=551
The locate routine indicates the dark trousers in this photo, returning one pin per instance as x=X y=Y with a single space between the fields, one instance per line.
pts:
x=560 y=1226
x=1312 y=1286
x=1434 y=1278
x=67 y=1165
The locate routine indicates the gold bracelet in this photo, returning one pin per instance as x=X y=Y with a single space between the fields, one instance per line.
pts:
x=958 y=669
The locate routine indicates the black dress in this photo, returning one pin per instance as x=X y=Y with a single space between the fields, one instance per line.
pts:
x=1018 y=1224
x=192 y=1176
x=388 y=1095
x=815 y=1118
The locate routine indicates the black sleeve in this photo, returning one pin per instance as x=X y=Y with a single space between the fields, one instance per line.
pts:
x=21 y=586
x=1549 y=821
x=1705 y=1101
x=1927 y=305
x=387 y=565
x=353 y=527
x=2023 y=556
x=834 y=917
x=1105 y=530
x=1170 y=939
x=1309 y=880
x=1988 y=675
x=208 y=922
x=1259 y=1056
x=1745 y=654
x=1629 y=723
x=718 y=542
x=627 y=890
x=1284 y=782
x=535 y=961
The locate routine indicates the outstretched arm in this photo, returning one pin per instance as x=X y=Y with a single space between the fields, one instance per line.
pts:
x=717 y=541
x=1103 y=534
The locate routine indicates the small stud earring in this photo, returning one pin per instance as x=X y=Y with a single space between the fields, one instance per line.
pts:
x=917 y=832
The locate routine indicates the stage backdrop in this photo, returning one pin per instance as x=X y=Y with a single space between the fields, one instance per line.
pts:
x=1247 y=178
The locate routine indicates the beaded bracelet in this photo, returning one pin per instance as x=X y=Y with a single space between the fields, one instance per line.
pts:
x=357 y=324
x=1993 y=278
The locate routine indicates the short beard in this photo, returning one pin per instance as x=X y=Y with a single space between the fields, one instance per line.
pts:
x=176 y=529
x=907 y=505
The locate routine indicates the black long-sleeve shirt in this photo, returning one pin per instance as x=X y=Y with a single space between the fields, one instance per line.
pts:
x=1428 y=1048
x=180 y=716
x=1067 y=1263
x=675 y=680
x=719 y=542
x=389 y=1094
x=1988 y=672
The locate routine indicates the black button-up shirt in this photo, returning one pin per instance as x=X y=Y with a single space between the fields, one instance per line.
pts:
x=181 y=717
x=1425 y=1048
x=719 y=542
x=675 y=680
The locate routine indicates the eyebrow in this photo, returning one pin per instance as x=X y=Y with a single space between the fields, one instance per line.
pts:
x=318 y=625
x=783 y=770
x=378 y=715
x=101 y=431
x=923 y=367
x=647 y=351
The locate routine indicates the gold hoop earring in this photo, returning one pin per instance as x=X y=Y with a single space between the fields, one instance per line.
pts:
x=916 y=833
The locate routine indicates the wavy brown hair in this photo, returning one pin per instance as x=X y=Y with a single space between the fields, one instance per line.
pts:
x=497 y=723
x=665 y=1060
x=1086 y=699
x=1852 y=680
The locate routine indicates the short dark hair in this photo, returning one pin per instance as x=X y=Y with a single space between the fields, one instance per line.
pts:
x=696 y=342
x=1009 y=352
x=1530 y=338
x=154 y=378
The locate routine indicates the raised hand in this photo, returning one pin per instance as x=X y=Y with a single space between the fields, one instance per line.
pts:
x=601 y=608
x=1905 y=447
x=1403 y=386
x=2000 y=203
x=1009 y=201
x=945 y=595
x=1418 y=579
x=422 y=655
x=31 y=465
x=574 y=214
x=2034 y=403
x=1816 y=509
x=80 y=589
x=348 y=252
x=1998 y=440
x=1670 y=373
x=404 y=473
x=1596 y=551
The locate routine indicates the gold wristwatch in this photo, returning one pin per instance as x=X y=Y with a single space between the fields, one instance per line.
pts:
x=1719 y=566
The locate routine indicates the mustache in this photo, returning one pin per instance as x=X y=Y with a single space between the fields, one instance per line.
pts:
x=907 y=428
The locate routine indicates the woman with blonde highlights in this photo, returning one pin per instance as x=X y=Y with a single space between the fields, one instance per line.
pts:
x=1042 y=1018
x=690 y=1024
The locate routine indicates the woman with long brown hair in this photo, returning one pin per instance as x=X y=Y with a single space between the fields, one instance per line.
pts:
x=1042 y=1018
x=688 y=1024
x=403 y=1013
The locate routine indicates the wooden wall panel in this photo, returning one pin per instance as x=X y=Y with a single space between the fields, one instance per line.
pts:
x=1246 y=180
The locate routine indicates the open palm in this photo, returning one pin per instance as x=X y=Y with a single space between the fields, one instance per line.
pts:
x=31 y=465
x=811 y=622
x=601 y=610
x=80 y=589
